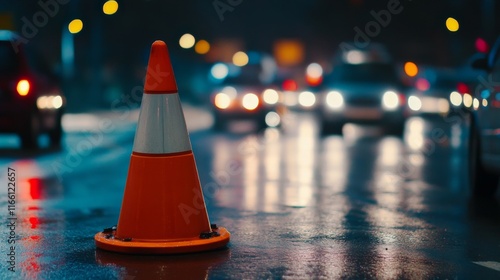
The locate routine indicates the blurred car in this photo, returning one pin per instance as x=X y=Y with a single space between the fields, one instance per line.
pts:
x=442 y=91
x=363 y=92
x=484 y=142
x=31 y=102
x=298 y=98
x=432 y=92
x=244 y=97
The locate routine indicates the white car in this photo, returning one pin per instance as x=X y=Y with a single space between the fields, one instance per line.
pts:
x=484 y=159
x=364 y=93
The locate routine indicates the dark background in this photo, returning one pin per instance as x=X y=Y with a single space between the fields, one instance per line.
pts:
x=111 y=51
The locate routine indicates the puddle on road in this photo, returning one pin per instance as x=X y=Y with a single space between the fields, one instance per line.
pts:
x=39 y=189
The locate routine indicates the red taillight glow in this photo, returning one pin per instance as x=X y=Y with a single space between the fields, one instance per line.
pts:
x=422 y=84
x=462 y=88
x=23 y=87
x=402 y=99
x=289 y=85
x=314 y=81
x=481 y=45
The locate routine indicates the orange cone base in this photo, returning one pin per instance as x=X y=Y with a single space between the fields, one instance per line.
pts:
x=106 y=241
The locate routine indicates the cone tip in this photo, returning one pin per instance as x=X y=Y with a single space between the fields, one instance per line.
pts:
x=160 y=75
x=158 y=43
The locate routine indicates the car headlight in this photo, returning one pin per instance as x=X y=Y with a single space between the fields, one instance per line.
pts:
x=250 y=101
x=414 y=103
x=475 y=103
x=307 y=99
x=49 y=102
x=334 y=100
x=467 y=100
x=222 y=100
x=270 y=96
x=272 y=119
x=455 y=98
x=390 y=100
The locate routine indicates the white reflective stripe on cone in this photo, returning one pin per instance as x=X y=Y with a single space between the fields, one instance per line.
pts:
x=161 y=128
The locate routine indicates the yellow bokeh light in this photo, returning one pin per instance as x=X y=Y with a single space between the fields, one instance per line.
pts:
x=186 y=41
x=411 y=69
x=75 y=26
x=222 y=100
x=202 y=47
x=110 y=7
x=452 y=24
x=23 y=87
x=289 y=52
x=240 y=59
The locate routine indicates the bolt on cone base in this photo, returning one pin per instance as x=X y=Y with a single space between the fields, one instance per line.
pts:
x=218 y=238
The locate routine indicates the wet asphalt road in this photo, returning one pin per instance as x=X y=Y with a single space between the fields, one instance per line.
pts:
x=298 y=206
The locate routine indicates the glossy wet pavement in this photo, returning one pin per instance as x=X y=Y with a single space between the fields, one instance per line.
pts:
x=298 y=206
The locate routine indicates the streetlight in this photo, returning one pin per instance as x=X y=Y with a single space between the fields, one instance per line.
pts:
x=110 y=7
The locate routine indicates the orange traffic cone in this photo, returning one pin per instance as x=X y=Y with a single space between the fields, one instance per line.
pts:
x=163 y=210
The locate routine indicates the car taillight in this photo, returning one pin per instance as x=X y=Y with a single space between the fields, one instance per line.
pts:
x=23 y=87
x=462 y=88
x=289 y=85
x=402 y=99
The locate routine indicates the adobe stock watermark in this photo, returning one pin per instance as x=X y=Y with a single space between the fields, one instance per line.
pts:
x=486 y=84
x=437 y=137
x=123 y=107
x=31 y=27
x=223 y=6
x=406 y=169
x=372 y=29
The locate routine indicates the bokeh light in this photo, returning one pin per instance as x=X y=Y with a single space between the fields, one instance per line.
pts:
x=307 y=99
x=202 y=47
x=219 y=71
x=272 y=119
x=75 y=26
x=354 y=57
x=288 y=52
x=481 y=45
x=222 y=100
x=414 y=103
x=314 y=74
x=390 y=100
x=467 y=100
x=186 y=41
x=462 y=87
x=314 y=70
x=23 y=87
x=289 y=85
x=240 y=59
x=110 y=7
x=452 y=24
x=250 y=101
x=57 y=102
x=475 y=103
x=334 y=100
x=422 y=84
x=455 y=98
x=270 y=96
x=411 y=69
